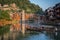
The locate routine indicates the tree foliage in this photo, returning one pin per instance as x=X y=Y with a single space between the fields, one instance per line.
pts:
x=4 y=29
x=23 y=4
x=4 y=15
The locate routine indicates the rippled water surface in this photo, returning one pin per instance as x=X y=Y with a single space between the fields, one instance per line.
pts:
x=31 y=36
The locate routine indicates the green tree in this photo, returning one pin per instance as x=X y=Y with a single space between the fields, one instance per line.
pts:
x=4 y=15
x=23 y=4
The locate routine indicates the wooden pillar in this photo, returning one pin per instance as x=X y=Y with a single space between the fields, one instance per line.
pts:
x=23 y=22
x=6 y=36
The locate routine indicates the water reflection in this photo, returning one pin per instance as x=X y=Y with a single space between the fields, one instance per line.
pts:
x=57 y=37
x=16 y=35
x=42 y=36
x=29 y=36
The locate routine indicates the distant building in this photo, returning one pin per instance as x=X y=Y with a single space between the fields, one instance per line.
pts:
x=50 y=14
x=53 y=13
x=57 y=10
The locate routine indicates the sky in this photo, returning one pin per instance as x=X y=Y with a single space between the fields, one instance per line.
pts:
x=44 y=4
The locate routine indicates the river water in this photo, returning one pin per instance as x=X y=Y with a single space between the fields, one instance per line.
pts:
x=31 y=36
x=41 y=36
